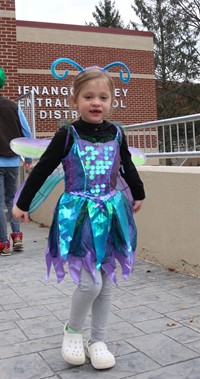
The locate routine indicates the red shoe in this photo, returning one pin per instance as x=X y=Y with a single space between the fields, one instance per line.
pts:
x=5 y=248
x=17 y=241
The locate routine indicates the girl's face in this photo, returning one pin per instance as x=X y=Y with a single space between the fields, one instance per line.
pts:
x=94 y=101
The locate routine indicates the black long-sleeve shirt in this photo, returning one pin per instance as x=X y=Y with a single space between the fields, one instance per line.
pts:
x=56 y=151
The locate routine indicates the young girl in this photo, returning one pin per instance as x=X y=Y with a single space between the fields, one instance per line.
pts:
x=93 y=222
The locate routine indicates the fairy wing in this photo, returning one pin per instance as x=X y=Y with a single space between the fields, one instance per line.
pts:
x=29 y=147
x=34 y=148
x=52 y=180
x=138 y=157
x=123 y=186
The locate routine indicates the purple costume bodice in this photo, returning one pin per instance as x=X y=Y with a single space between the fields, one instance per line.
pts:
x=96 y=176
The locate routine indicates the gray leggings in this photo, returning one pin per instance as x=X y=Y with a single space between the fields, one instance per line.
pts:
x=98 y=297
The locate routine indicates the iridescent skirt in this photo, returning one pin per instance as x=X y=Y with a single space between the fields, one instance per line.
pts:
x=94 y=233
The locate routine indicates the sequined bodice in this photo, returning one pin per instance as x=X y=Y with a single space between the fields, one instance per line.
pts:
x=91 y=168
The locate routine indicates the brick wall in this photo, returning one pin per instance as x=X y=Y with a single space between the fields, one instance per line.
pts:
x=8 y=51
x=31 y=47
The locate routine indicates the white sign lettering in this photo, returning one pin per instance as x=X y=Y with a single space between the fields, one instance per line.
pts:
x=44 y=98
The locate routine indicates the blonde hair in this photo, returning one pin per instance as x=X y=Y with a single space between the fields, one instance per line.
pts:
x=90 y=74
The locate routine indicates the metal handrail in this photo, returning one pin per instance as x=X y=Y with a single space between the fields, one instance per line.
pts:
x=172 y=137
x=166 y=121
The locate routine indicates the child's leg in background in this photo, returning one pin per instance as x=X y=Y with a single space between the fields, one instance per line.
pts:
x=97 y=296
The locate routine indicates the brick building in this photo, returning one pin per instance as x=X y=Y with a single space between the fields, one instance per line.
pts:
x=29 y=48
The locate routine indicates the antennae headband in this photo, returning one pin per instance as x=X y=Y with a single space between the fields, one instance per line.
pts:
x=124 y=79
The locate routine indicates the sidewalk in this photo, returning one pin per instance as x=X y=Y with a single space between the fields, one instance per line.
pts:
x=154 y=328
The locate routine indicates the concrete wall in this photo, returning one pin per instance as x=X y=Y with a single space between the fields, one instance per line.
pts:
x=169 y=222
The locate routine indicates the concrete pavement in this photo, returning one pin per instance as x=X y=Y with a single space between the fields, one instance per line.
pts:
x=154 y=327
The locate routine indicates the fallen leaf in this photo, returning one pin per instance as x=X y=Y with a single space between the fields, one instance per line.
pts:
x=171 y=324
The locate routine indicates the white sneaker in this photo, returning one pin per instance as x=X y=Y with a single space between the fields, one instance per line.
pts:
x=101 y=358
x=72 y=348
